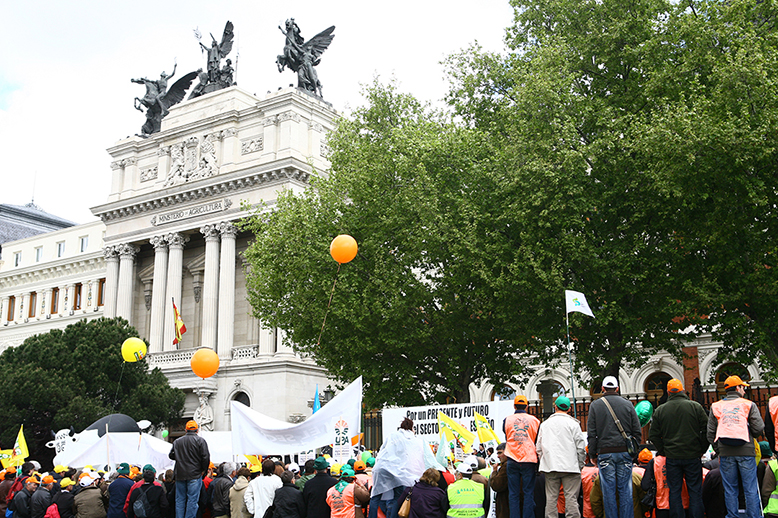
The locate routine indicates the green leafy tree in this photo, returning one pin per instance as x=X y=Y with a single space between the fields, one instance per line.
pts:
x=578 y=206
x=713 y=144
x=412 y=313
x=74 y=376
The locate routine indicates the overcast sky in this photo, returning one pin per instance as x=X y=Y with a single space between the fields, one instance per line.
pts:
x=65 y=69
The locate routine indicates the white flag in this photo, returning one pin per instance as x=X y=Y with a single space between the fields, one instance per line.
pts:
x=576 y=301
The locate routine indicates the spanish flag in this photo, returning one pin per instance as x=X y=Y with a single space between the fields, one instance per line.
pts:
x=180 y=327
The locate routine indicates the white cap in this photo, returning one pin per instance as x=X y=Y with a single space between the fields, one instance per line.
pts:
x=472 y=460
x=610 y=382
x=88 y=480
x=465 y=468
x=494 y=459
x=294 y=467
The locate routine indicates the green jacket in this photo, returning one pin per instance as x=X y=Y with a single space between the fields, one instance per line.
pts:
x=678 y=428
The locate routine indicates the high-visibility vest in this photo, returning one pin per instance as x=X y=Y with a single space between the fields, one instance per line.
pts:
x=773 y=407
x=662 y=489
x=341 y=504
x=521 y=430
x=588 y=474
x=465 y=499
x=732 y=415
x=772 y=503
x=365 y=479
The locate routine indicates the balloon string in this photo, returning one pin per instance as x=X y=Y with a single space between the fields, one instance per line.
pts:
x=318 y=342
x=118 y=386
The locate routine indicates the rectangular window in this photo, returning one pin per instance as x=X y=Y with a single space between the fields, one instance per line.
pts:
x=54 y=301
x=38 y=254
x=33 y=304
x=77 y=296
x=84 y=242
x=11 y=308
x=60 y=249
x=17 y=258
x=101 y=293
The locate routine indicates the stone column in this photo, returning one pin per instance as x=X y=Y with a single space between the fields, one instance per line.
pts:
x=4 y=311
x=20 y=308
x=94 y=295
x=175 y=268
x=25 y=307
x=111 y=282
x=210 y=296
x=158 y=293
x=46 y=303
x=281 y=348
x=127 y=253
x=227 y=290
x=64 y=299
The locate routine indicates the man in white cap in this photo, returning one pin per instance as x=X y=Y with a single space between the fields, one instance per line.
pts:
x=466 y=497
x=608 y=447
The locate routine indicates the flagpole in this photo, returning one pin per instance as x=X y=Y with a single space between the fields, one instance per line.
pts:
x=570 y=355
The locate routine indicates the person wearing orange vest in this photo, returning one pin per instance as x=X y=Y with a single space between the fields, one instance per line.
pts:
x=732 y=425
x=678 y=430
x=345 y=496
x=521 y=430
x=656 y=473
x=771 y=422
x=588 y=473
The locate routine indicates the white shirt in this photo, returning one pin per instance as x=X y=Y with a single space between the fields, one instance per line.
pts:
x=260 y=493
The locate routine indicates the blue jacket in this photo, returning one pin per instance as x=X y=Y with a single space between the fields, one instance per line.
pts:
x=117 y=495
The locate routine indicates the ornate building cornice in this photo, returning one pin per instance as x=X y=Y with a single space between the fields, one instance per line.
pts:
x=189 y=194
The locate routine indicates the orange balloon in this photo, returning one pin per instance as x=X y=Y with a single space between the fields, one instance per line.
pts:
x=205 y=363
x=343 y=248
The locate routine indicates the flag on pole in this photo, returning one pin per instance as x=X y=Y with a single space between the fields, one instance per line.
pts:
x=485 y=432
x=180 y=327
x=454 y=430
x=16 y=455
x=316 y=402
x=576 y=301
x=444 y=450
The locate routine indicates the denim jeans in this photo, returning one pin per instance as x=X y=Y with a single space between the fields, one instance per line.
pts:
x=389 y=507
x=187 y=497
x=616 y=479
x=521 y=478
x=677 y=471
x=729 y=467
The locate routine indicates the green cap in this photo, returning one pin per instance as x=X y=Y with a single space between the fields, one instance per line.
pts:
x=320 y=463
x=347 y=472
x=149 y=467
x=563 y=403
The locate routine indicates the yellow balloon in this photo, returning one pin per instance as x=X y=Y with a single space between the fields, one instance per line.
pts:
x=133 y=349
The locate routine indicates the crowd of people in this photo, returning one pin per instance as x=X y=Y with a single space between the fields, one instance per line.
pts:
x=694 y=464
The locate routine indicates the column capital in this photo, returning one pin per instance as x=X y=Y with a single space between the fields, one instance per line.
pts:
x=127 y=250
x=210 y=232
x=228 y=229
x=176 y=239
x=110 y=252
x=158 y=242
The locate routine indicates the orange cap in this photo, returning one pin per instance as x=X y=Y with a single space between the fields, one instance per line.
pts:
x=520 y=400
x=192 y=425
x=645 y=456
x=674 y=385
x=48 y=479
x=32 y=480
x=734 y=381
x=359 y=465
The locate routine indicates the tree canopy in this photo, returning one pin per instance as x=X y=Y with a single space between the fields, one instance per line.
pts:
x=74 y=376
x=624 y=150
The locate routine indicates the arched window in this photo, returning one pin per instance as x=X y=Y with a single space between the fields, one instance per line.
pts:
x=727 y=370
x=656 y=387
x=504 y=393
x=548 y=391
x=242 y=397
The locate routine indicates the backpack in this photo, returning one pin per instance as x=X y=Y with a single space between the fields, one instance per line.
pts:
x=52 y=512
x=141 y=507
